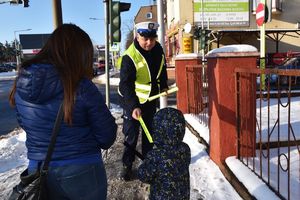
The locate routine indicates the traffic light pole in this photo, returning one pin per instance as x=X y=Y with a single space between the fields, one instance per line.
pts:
x=202 y=45
x=263 y=48
x=112 y=12
x=161 y=37
x=107 y=88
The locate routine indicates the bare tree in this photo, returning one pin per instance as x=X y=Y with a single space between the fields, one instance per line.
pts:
x=129 y=39
x=128 y=29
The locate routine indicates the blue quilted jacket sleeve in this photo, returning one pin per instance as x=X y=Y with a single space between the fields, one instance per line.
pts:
x=101 y=121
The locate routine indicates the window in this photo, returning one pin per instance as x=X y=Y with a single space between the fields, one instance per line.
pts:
x=149 y=15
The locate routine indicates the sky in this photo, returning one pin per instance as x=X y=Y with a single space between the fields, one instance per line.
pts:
x=206 y=179
x=39 y=17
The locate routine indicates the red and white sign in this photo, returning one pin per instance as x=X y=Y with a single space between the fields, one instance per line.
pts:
x=30 y=51
x=260 y=14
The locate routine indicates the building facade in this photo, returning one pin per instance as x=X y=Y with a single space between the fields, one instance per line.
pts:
x=230 y=22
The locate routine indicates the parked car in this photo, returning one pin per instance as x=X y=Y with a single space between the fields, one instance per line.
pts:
x=3 y=68
x=272 y=79
x=7 y=67
x=290 y=64
x=101 y=65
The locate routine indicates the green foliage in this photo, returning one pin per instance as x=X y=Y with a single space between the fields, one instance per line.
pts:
x=7 y=52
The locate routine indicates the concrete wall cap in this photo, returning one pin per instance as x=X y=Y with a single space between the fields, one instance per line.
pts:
x=241 y=49
x=188 y=56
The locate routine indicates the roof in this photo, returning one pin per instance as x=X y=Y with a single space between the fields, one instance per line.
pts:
x=243 y=34
x=141 y=14
x=268 y=31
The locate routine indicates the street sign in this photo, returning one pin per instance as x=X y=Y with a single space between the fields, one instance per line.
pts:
x=260 y=14
x=115 y=46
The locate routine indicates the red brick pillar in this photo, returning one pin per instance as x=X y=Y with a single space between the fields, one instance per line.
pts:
x=222 y=102
x=181 y=61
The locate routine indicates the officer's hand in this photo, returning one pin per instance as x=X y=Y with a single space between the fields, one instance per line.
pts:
x=136 y=113
x=166 y=92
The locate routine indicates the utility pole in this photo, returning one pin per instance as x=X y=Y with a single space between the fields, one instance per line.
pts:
x=202 y=28
x=57 y=13
x=112 y=12
x=106 y=17
x=161 y=39
x=263 y=47
x=17 y=47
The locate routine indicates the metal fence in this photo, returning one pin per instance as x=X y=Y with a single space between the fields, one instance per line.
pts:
x=272 y=150
x=197 y=91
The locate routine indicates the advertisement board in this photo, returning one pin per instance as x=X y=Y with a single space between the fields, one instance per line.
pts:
x=187 y=44
x=33 y=43
x=219 y=13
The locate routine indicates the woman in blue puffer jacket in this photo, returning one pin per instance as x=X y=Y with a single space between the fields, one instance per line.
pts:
x=62 y=72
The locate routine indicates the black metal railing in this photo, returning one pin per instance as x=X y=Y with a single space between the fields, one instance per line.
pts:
x=272 y=150
x=197 y=92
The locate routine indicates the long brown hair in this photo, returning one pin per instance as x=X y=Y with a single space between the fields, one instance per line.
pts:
x=70 y=50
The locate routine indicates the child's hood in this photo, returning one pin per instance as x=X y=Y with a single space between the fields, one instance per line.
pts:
x=168 y=127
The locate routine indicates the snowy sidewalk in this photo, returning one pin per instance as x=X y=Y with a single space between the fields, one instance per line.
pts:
x=206 y=179
x=255 y=186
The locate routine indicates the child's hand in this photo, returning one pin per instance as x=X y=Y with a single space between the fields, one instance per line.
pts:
x=136 y=113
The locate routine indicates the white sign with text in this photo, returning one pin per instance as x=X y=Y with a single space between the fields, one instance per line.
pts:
x=222 y=12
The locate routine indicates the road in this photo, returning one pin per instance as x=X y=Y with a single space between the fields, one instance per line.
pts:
x=113 y=97
x=8 y=120
x=7 y=114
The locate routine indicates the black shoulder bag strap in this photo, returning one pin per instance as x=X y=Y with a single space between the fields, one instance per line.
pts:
x=55 y=131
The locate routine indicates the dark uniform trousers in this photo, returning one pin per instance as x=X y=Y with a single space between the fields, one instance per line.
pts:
x=131 y=130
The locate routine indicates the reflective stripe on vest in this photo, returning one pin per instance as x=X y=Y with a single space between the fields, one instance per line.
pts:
x=143 y=76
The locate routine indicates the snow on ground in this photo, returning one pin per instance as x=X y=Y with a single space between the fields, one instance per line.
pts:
x=255 y=186
x=207 y=181
x=8 y=75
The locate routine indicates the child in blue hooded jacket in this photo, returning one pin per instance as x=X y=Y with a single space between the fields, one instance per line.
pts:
x=166 y=166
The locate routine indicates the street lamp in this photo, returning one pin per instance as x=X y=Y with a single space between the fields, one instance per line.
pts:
x=107 y=88
x=17 y=46
x=94 y=18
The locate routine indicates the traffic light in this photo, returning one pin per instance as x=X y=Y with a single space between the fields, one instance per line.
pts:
x=268 y=11
x=15 y=1
x=115 y=19
x=202 y=35
x=197 y=33
x=203 y=39
x=205 y=34
x=26 y=3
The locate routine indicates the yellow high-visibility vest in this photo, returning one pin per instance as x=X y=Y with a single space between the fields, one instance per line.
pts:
x=143 y=76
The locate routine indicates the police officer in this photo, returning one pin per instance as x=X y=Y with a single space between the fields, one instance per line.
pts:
x=142 y=74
